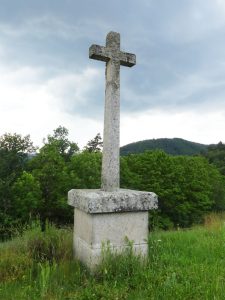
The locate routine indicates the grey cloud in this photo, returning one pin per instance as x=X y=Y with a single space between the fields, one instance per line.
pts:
x=179 y=47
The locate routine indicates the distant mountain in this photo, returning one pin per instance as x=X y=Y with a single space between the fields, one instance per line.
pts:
x=173 y=146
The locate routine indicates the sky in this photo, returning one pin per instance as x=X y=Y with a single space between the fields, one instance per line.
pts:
x=176 y=89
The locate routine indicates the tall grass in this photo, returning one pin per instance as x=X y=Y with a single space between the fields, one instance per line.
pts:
x=184 y=264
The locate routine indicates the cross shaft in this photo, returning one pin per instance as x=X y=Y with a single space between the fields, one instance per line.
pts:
x=113 y=57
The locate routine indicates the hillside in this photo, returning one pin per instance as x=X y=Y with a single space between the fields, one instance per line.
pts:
x=175 y=146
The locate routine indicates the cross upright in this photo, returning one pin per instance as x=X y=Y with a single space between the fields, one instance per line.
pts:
x=113 y=57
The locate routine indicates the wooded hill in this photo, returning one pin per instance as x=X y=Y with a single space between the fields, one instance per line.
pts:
x=175 y=146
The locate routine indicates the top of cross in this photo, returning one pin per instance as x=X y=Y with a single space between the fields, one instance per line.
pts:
x=112 y=51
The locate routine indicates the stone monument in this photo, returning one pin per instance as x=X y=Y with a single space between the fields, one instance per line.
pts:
x=110 y=215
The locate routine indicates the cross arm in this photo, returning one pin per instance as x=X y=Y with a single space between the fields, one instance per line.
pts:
x=127 y=59
x=99 y=53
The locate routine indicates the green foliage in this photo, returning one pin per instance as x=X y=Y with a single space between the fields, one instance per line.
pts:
x=129 y=179
x=34 y=246
x=174 y=146
x=16 y=143
x=51 y=245
x=216 y=156
x=85 y=170
x=188 y=187
x=94 y=145
x=26 y=196
x=60 y=142
x=122 y=265
x=13 y=264
x=49 y=169
x=14 y=151
x=180 y=265
x=38 y=186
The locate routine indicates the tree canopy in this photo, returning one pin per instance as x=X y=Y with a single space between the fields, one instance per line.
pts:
x=216 y=156
x=188 y=187
x=94 y=145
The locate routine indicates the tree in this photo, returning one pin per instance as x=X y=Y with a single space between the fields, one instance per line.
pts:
x=26 y=197
x=216 y=156
x=188 y=187
x=14 y=151
x=50 y=169
x=60 y=141
x=16 y=143
x=85 y=170
x=94 y=145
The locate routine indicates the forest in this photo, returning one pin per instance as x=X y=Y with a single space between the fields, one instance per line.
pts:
x=34 y=182
x=175 y=146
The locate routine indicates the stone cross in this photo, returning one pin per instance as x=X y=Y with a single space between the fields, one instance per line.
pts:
x=108 y=215
x=113 y=57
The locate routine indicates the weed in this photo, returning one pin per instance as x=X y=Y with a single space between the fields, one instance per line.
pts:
x=184 y=264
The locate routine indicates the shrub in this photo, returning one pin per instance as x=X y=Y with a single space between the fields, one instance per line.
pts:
x=50 y=245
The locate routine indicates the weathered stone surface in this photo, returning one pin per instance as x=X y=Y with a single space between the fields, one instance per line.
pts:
x=92 y=257
x=113 y=57
x=93 y=232
x=111 y=215
x=112 y=51
x=98 y=201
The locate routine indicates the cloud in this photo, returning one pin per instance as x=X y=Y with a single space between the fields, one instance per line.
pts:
x=204 y=128
x=74 y=91
x=30 y=105
x=185 y=22
x=52 y=26
x=46 y=78
x=193 y=92
x=41 y=27
x=166 y=65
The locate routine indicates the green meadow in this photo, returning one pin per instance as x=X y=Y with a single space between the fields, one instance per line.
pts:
x=182 y=264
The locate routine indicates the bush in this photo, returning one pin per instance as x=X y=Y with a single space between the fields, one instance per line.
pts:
x=187 y=187
x=51 y=245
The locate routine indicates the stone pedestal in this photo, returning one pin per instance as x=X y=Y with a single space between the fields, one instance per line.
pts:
x=110 y=218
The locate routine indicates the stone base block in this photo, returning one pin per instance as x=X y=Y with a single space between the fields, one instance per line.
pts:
x=110 y=219
x=95 y=232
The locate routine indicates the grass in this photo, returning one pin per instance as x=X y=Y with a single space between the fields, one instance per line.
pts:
x=183 y=264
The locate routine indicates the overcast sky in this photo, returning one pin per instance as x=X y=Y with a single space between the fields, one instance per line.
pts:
x=177 y=88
